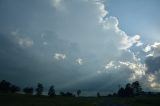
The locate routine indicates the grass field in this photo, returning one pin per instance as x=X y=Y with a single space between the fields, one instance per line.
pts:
x=27 y=100
x=139 y=101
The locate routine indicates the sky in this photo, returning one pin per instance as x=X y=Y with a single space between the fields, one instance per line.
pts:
x=92 y=45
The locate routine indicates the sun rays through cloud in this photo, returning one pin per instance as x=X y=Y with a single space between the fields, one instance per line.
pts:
x=88 y=44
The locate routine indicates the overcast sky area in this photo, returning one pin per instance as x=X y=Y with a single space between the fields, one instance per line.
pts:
x=92 y=45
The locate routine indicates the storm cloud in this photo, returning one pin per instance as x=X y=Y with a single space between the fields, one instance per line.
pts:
x=153 y=64
x=59 y=42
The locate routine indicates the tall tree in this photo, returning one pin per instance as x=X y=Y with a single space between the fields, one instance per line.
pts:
x=121 y=92
x=5 y=86
x=39 y=89
x=128 y=90
x=51 y=91
x=78 y=92
x=98 y=94
x=137 y=90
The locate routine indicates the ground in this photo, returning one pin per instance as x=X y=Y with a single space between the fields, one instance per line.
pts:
x=27 y=100
x=139 y=101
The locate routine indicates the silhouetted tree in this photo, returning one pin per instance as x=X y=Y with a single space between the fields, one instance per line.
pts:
x=133 y=89
x=69 y=94
x=66 y=94
x=98 y=94
x=78 y=92
x=51 y=91
x=121 y=92
x=62 y=93
x=14 y=88
x=5 y=86
x=39 y=89
x=28 y=90
x=114 y=94
x=137 y=90
x=128 y=90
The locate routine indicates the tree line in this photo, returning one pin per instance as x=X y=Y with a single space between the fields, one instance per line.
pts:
x=7 y=87
x=130 y=90
x=133 y=89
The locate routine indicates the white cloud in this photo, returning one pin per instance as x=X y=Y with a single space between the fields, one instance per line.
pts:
x=153 y=81
x=155 y=85
x=139 y=44
x=151 y=77
x=59 y=56
x=59 y=5
x=56 y=3
x=22 y=40
x=79 y=61
x=153 y=49
x=101 y=9
x=130 y=41
x=147 y=48
x=138 y=69
x=150 y=55
x=111 y=23
x=102 y=39
x=111 y=65
x=25 y=42
x=155 y=45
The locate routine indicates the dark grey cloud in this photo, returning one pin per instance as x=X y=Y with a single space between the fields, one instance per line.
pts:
x=13 y=59
x=27 y=15
x=153 y=64
x=33 y=64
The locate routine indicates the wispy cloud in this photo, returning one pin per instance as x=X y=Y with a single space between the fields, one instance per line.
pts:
x=79 y=61
x=22 y=40
x=59 y=56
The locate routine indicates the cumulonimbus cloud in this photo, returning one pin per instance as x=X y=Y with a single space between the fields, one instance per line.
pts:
x=85 y=29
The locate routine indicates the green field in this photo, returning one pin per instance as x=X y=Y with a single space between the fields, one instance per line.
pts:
x=139 y=101
x=27 y=100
